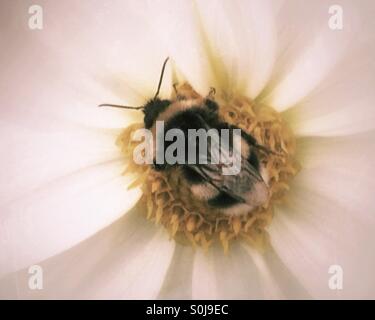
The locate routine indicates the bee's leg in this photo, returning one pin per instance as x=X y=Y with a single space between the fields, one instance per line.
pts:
x=175 y=88
x=210 y=100
x=178 y=96
x=211 y=93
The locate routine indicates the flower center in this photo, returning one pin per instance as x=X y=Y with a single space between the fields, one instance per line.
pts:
x=191 y=221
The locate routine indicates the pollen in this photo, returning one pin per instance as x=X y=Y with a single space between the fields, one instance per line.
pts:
x=190 y=221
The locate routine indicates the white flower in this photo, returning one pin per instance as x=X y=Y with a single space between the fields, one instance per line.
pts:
x=63 y=200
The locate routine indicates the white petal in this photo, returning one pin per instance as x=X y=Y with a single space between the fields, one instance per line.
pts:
x=62 y=213
x=178 y=27
x=253 y=27
x=308 y=50
x=220 y=276
x=79 y=60
x=276 y=279
x=341 y=168
x=329 y=218
x=242 y=274
x=221 y=43
x=177 y=283
x=214 y=44
x=51 y=127
x=343 y=103
x=270 y=278
x=128 y=260
x=309 y=250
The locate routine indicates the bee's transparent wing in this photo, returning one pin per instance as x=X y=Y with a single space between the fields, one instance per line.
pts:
x=236 y=185
x=246 y=185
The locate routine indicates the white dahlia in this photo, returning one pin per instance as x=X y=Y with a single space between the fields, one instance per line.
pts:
x=64 y=202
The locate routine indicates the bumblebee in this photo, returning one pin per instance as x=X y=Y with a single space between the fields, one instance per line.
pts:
x=231 y=194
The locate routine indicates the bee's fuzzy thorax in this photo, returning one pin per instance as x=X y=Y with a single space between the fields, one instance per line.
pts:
x=171 y=201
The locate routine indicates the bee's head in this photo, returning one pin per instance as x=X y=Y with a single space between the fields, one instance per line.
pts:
x=152 y=109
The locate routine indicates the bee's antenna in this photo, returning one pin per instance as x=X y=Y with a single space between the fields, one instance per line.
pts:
x=161 y=77
x=119 y=106
x=141 y=107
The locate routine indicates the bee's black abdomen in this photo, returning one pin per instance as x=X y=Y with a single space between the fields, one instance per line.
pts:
x=223 y=200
